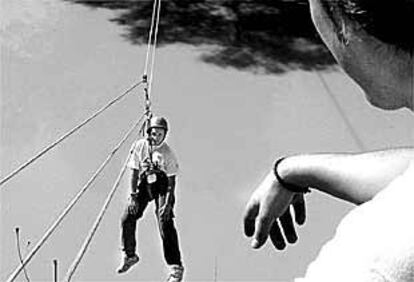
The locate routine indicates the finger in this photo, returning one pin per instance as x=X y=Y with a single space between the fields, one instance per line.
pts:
x=131 y=210
x=276 y=236
x=262 y=227
x=250 y=215
x=288 y=227
x=299 y=206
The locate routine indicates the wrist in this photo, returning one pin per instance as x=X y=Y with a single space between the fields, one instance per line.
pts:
x=284 y=176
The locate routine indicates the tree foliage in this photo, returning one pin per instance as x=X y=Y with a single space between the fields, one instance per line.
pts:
x=268 y=35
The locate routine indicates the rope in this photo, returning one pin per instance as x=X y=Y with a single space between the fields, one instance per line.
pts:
x=150 y=56
x=63 y=137
x=150 y=37
x=351 y=129
x=154 y=45
x=13 y=276
x=98 y=220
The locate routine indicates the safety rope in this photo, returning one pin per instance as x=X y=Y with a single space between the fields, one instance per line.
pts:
x=95 y=226
x=70 y=132
x=150 y=40
x=150 y=58
x=36 y=248
x=341 y=112
x=154 y=45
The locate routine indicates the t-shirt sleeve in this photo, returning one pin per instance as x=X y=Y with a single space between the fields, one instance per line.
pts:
x=134 y=160
x=171 y=164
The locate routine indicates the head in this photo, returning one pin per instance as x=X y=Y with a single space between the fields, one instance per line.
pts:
x=372 y=41
x=157 y=130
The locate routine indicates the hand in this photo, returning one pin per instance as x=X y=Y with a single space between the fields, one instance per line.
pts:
x=133 y=206
x=269 y=202
x=145 y=165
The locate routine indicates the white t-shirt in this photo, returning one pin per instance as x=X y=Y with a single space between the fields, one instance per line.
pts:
x=374 y=242
x=162 y=155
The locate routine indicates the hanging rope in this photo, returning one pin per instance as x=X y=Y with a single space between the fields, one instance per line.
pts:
x=98 y=220
x=341 y=112
x=70 y=132
x=150 y=58
x=150 y=40
x=36 y=248
x=154 y=45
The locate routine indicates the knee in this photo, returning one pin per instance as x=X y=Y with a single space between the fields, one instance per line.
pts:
x=129 y=219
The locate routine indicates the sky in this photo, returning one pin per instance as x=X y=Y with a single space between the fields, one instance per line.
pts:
x=61 y=62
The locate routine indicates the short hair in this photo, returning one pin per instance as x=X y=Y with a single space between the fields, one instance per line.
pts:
x=388 y=21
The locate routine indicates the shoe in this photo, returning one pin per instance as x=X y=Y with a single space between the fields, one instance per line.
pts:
x=128 y=262
x=176 y=273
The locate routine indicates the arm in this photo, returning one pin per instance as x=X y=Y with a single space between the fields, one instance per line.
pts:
x=356 y=178
x=133 y=205
x=134 y=180
x=171 y=190
x=353 y=177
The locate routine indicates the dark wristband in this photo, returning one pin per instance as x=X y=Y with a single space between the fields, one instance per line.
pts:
x=289 y=186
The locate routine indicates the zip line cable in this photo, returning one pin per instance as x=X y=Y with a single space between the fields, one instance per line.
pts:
x=70 y=132
x=150 y=56
x=98 y=220
x=149 y=48
x=341 y=112
x=154 y=45
x=13 y=276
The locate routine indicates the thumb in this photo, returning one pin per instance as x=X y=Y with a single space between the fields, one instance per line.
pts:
x=262 y=228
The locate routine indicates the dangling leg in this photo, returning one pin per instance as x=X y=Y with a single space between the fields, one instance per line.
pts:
x=170 y=243
x=128 y=230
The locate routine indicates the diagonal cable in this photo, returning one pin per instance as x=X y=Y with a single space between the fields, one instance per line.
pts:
x=70 y=132
x=341 y=112
x=36 y=248
x=95 y=226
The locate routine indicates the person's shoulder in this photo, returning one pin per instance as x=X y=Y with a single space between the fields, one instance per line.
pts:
x=165 y=146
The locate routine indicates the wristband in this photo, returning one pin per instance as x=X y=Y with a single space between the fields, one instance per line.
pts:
x=289 y=186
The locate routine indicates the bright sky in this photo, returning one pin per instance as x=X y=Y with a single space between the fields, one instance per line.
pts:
x=60 y=62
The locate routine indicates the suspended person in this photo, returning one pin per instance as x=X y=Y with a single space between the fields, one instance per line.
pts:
x=154 y=169
x=375 y=241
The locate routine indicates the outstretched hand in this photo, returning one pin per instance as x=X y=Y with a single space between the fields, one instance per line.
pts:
x=269 y=204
